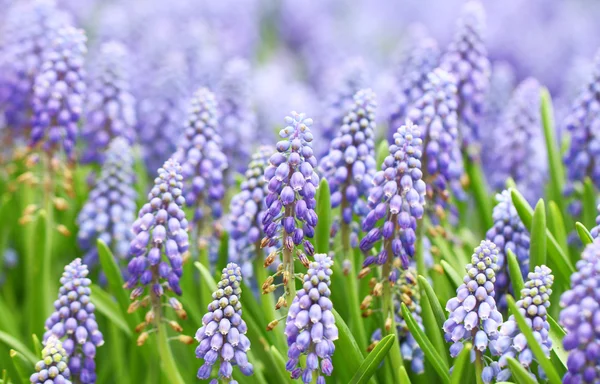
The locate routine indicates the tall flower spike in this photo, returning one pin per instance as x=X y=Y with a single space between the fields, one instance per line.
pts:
x=584 y=148
x=310 y=325
x=520 y=149
x=74 y=322
x=28 y=32
x=435 y=114
x=247 y=210
x=507 y=233
x=110 y=106
x=398 y=196
x=59 y=92
x=292 y=184
x=466 y=58
x=222 y=336
x=534 y=303
x=52 y=369
x=473 y=314
x=350 y=164
x=580 y=317
x=412 y=79
x=237 y=120
x=110 y=209
x=202 y=160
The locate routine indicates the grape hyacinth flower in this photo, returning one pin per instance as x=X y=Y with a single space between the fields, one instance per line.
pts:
x=502 y=84
x=350 y=164
x=292 y=182
x=436 y=114
x=580 y=317
x=53 y=368
x=534 y=303
x=247 y=209
x=110 y=209
x=160 y=232
x=508 y=233
x=520 y=149
x=584 y=148
x=202 y=160
x=412 y=79
x=74 y=322
x=110 y=105
x=398 y=196
x=473 y=313
x=466 y=58
x=237 y=120
x=222 y=336
x=59 y=92
x=310 y=325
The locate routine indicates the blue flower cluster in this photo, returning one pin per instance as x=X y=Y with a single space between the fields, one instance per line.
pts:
x=52 y=369
x=74 y=322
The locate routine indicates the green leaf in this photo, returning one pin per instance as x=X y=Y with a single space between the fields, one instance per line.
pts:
x=403 y=375
x=554 y=157
x=223 y=254
x=347 y=353
x=514 y=272
x=206 y=276
x=382 y=151
x=323 y=229
x=460 y=364
x=558 y=259
x=584 y=234
x=108 y=307
x=453 y=276
x=589 y=209
x=430 y=352
x=371 y=363
x=37 y=345
x=278 y=357
x=557 y=334
x=23 y=366
x=115 y=283
x=543 y=361
x=431 y=318
x=436 y=307
x=556 y=224
x=520 y=374
x=16 y=344
x=478 y=185
x=537 y=248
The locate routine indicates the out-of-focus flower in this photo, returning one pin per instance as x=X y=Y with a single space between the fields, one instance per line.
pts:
x=110 y=105
x=110 y=209
x=580 y=317
x=507 y=233
x=466 y=58
x=222 y=336
x=74 y=322
x=202 y=160
x=52 y=369
x=533 y=305
x=350 y=164
x=59 y=92
x=310 y=325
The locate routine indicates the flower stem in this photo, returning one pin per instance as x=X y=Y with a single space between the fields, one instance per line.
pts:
x=478 y=367
x=48 y=234
x=288 y=264
x=419 y=256
x=388 y=312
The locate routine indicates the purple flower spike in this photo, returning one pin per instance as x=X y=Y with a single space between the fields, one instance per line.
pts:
x=59 y=92
x=53 y=368
x=110 y=104
x=310 y=325
x=503 y=80
x=160 y=233
x=436 y=114
x=473 y=315
x=74 y=322
x=222 y=336
x=398 y=196
x=580 y=317
x=507 y=233
x=519 y=147
x=533 y=305
x=110 y=209
x=350 y=164
x=248 y=209
x=202 y=160
x=466 y=58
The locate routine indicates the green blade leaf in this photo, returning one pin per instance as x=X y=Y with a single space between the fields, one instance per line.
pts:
x=206 y=276
x=347 y=352
x=108 y=307
x=557 y=334
x=543 y=361
x=589 y=209
x=382 y=151
x=16 y=344
x=554 y=157
x=371 y=363
x=323 y=229
x=514 y=271
x=584 y=234
x=478 y=185
x=537 y=248
x=519 y=373
x=223 y=254
x=556 y=224
x=403 y=375
x=22 y=365
x=431 y=318
x=436 y=307
x=453 y=276
x=460 y=364
x=430 y=352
